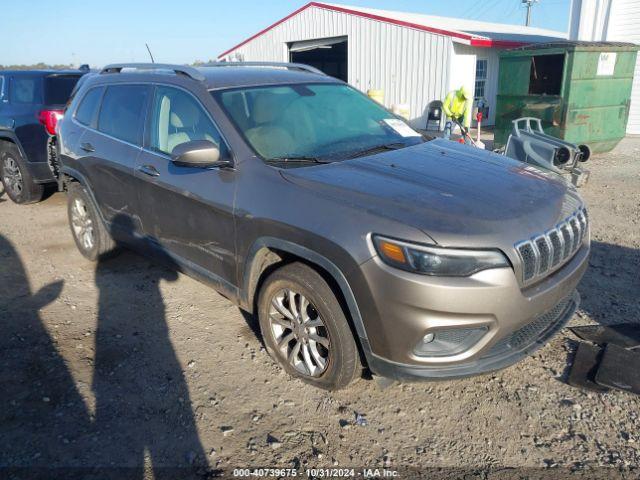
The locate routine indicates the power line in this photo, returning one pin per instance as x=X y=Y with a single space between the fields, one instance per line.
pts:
x=484 y=10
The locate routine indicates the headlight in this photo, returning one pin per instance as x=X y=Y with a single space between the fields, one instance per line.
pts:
x=448 y=262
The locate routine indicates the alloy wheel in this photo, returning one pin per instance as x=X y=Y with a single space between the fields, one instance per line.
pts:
x=12 y=177
x=300 y=333
x=82 y=224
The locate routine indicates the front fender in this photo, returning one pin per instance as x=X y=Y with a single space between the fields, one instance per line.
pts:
x=249 y=277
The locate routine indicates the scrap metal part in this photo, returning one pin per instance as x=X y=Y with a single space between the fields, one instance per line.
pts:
x=619 y=368
x=625 y=335
x=528 y=143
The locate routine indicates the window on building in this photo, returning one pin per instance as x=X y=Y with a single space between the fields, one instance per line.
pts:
x=546 y=74
x=481 y=77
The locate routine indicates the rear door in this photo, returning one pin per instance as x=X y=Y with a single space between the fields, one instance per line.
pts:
x=187 y=211
x=108 y=151
x=83 y=115
x=25 y=100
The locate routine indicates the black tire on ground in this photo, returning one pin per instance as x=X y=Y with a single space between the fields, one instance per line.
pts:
x=87 y=228
x=342 y=357
x=16 y=178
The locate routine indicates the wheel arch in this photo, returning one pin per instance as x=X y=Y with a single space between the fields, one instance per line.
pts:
x=269 y=253
x=68 y=175
x=10 y=137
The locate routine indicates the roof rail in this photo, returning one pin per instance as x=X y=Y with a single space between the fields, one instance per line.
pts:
x=178 y=69
x=290 y=66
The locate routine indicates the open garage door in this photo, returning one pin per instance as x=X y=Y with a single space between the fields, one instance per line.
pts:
x=326 y=54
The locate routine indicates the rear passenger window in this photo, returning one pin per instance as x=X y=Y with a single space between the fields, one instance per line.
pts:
x=122 y=112
x=25 y=90
x=86 y=112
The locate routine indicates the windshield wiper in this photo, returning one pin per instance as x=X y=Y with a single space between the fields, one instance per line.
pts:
x=295 y=159
x=377 y=149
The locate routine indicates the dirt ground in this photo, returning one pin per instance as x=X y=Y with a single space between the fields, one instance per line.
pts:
x=134 y=370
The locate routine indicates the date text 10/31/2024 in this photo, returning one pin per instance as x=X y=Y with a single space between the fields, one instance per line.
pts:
x=315 y=473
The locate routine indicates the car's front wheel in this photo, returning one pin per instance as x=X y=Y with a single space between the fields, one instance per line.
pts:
x=16 y=178
x=89 y=231
x=305 y=329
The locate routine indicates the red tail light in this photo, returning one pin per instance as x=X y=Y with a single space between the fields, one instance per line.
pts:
x=49 y=118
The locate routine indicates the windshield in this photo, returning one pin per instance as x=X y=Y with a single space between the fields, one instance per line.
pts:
x=315 y=122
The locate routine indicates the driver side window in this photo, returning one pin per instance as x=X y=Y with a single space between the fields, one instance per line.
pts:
x=178 y=118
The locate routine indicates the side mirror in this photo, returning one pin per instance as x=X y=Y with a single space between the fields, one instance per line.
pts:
x=198 y=154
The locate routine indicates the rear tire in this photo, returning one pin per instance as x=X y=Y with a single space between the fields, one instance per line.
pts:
x=87 y=228
x=305 y=329
x=16 y=178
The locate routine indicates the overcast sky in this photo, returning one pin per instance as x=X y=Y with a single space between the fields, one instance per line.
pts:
x=182 y=31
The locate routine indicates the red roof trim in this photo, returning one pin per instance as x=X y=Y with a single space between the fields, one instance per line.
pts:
x=474 y=41
x=487 y=42
x=402 y=23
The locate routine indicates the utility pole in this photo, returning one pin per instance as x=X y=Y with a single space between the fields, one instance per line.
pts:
x=529 y=4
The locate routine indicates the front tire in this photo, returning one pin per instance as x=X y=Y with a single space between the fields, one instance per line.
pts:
x=87 y=228
x=16 y=178
x=305 y=329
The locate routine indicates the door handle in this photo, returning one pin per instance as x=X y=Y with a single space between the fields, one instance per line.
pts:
x=149 y=170
x=87 y=147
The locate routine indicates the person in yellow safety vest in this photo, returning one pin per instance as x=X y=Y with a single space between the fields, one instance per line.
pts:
x=457 y=106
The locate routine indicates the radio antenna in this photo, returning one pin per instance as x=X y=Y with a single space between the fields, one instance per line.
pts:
x=150 y=54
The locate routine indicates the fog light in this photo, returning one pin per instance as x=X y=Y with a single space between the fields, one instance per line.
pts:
x=452 y=341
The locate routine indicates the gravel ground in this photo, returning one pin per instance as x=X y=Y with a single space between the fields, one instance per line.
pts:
x=138 y=371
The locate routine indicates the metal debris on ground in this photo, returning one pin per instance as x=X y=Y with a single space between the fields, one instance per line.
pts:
x=611 y=360
x=619 y=368
x=585 y=362
x=626 y=335
x=361 y=421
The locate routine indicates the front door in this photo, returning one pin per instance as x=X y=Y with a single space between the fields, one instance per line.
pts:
x=186 y=211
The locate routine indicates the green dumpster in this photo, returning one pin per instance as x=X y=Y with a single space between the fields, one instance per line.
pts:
x=580 y=90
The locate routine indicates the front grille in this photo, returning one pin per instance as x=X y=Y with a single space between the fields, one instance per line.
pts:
x=556 y=248
x=528 y=255
x=545 y=253
x=539 y=328
x=543 y=245
x=567 y=239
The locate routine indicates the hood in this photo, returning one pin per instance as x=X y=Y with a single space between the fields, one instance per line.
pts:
x=456 y=194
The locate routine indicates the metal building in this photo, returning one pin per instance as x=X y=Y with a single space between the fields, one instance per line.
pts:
x=413 y=58
x=611 y=20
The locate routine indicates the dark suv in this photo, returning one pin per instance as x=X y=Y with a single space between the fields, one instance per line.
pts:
x=31 y=102
x=353 y=238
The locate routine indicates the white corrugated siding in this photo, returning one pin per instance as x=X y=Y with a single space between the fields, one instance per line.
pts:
x=624 y=25
x=611 y=20
x=410 y=66
x=466 y=76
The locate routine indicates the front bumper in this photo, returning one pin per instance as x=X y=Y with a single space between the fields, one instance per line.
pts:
x=506 y=352
x=517 y=321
